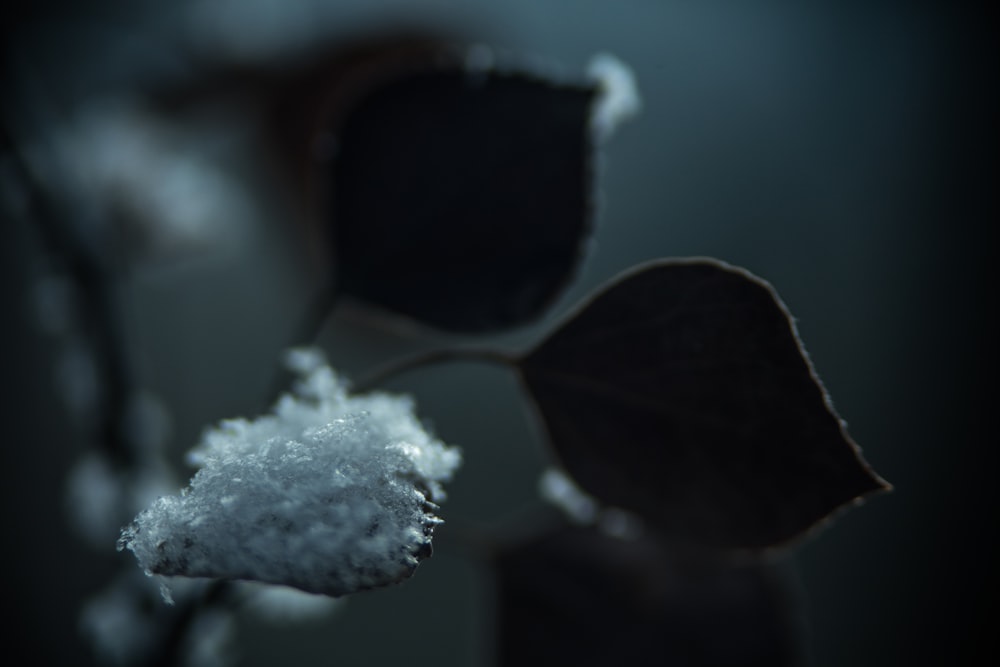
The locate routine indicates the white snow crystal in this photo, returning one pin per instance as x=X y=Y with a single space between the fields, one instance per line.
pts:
x=330 y=493
x=619 y=94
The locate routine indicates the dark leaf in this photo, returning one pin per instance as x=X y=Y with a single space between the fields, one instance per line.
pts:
x=579 y=597
x=682 y=393
x=461 y=199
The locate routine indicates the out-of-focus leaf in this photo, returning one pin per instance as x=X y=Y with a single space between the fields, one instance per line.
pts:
x=682 y=393
x=579 y=597
x=461 y=198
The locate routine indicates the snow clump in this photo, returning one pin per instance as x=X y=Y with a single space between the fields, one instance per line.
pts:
x=330 y=493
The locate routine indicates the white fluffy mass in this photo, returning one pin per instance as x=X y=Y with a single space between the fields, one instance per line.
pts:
x=618 y=99
x=331 y=493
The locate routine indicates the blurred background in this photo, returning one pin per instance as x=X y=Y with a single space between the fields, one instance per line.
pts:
x=845 y=152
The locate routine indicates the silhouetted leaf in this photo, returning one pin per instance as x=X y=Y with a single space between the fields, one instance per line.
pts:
x=461 y=199
x=579 y=597
x=682 y=394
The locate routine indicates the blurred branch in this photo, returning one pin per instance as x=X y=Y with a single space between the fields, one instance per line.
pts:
x=92 y=274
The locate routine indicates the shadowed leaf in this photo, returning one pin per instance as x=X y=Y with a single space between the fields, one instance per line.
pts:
x=578 y=597
x=681 y=393
x=461 y=199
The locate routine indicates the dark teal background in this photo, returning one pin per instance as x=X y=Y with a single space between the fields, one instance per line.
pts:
x=846 y=152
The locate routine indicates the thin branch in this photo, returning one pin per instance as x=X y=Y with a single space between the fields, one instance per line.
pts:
x=390 y=370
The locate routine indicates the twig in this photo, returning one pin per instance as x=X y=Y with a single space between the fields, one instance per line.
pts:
x=390 y=370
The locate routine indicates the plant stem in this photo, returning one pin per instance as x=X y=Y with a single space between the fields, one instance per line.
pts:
x=390 y=370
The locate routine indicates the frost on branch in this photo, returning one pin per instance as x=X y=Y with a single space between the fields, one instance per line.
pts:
x=331 y=493
x=618 y=94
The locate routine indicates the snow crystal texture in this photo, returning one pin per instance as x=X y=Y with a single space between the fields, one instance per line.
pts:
x=331 y=493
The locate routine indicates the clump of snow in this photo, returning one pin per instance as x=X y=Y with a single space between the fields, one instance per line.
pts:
x=330 y=493
x=618 y=99
x=557 y=488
